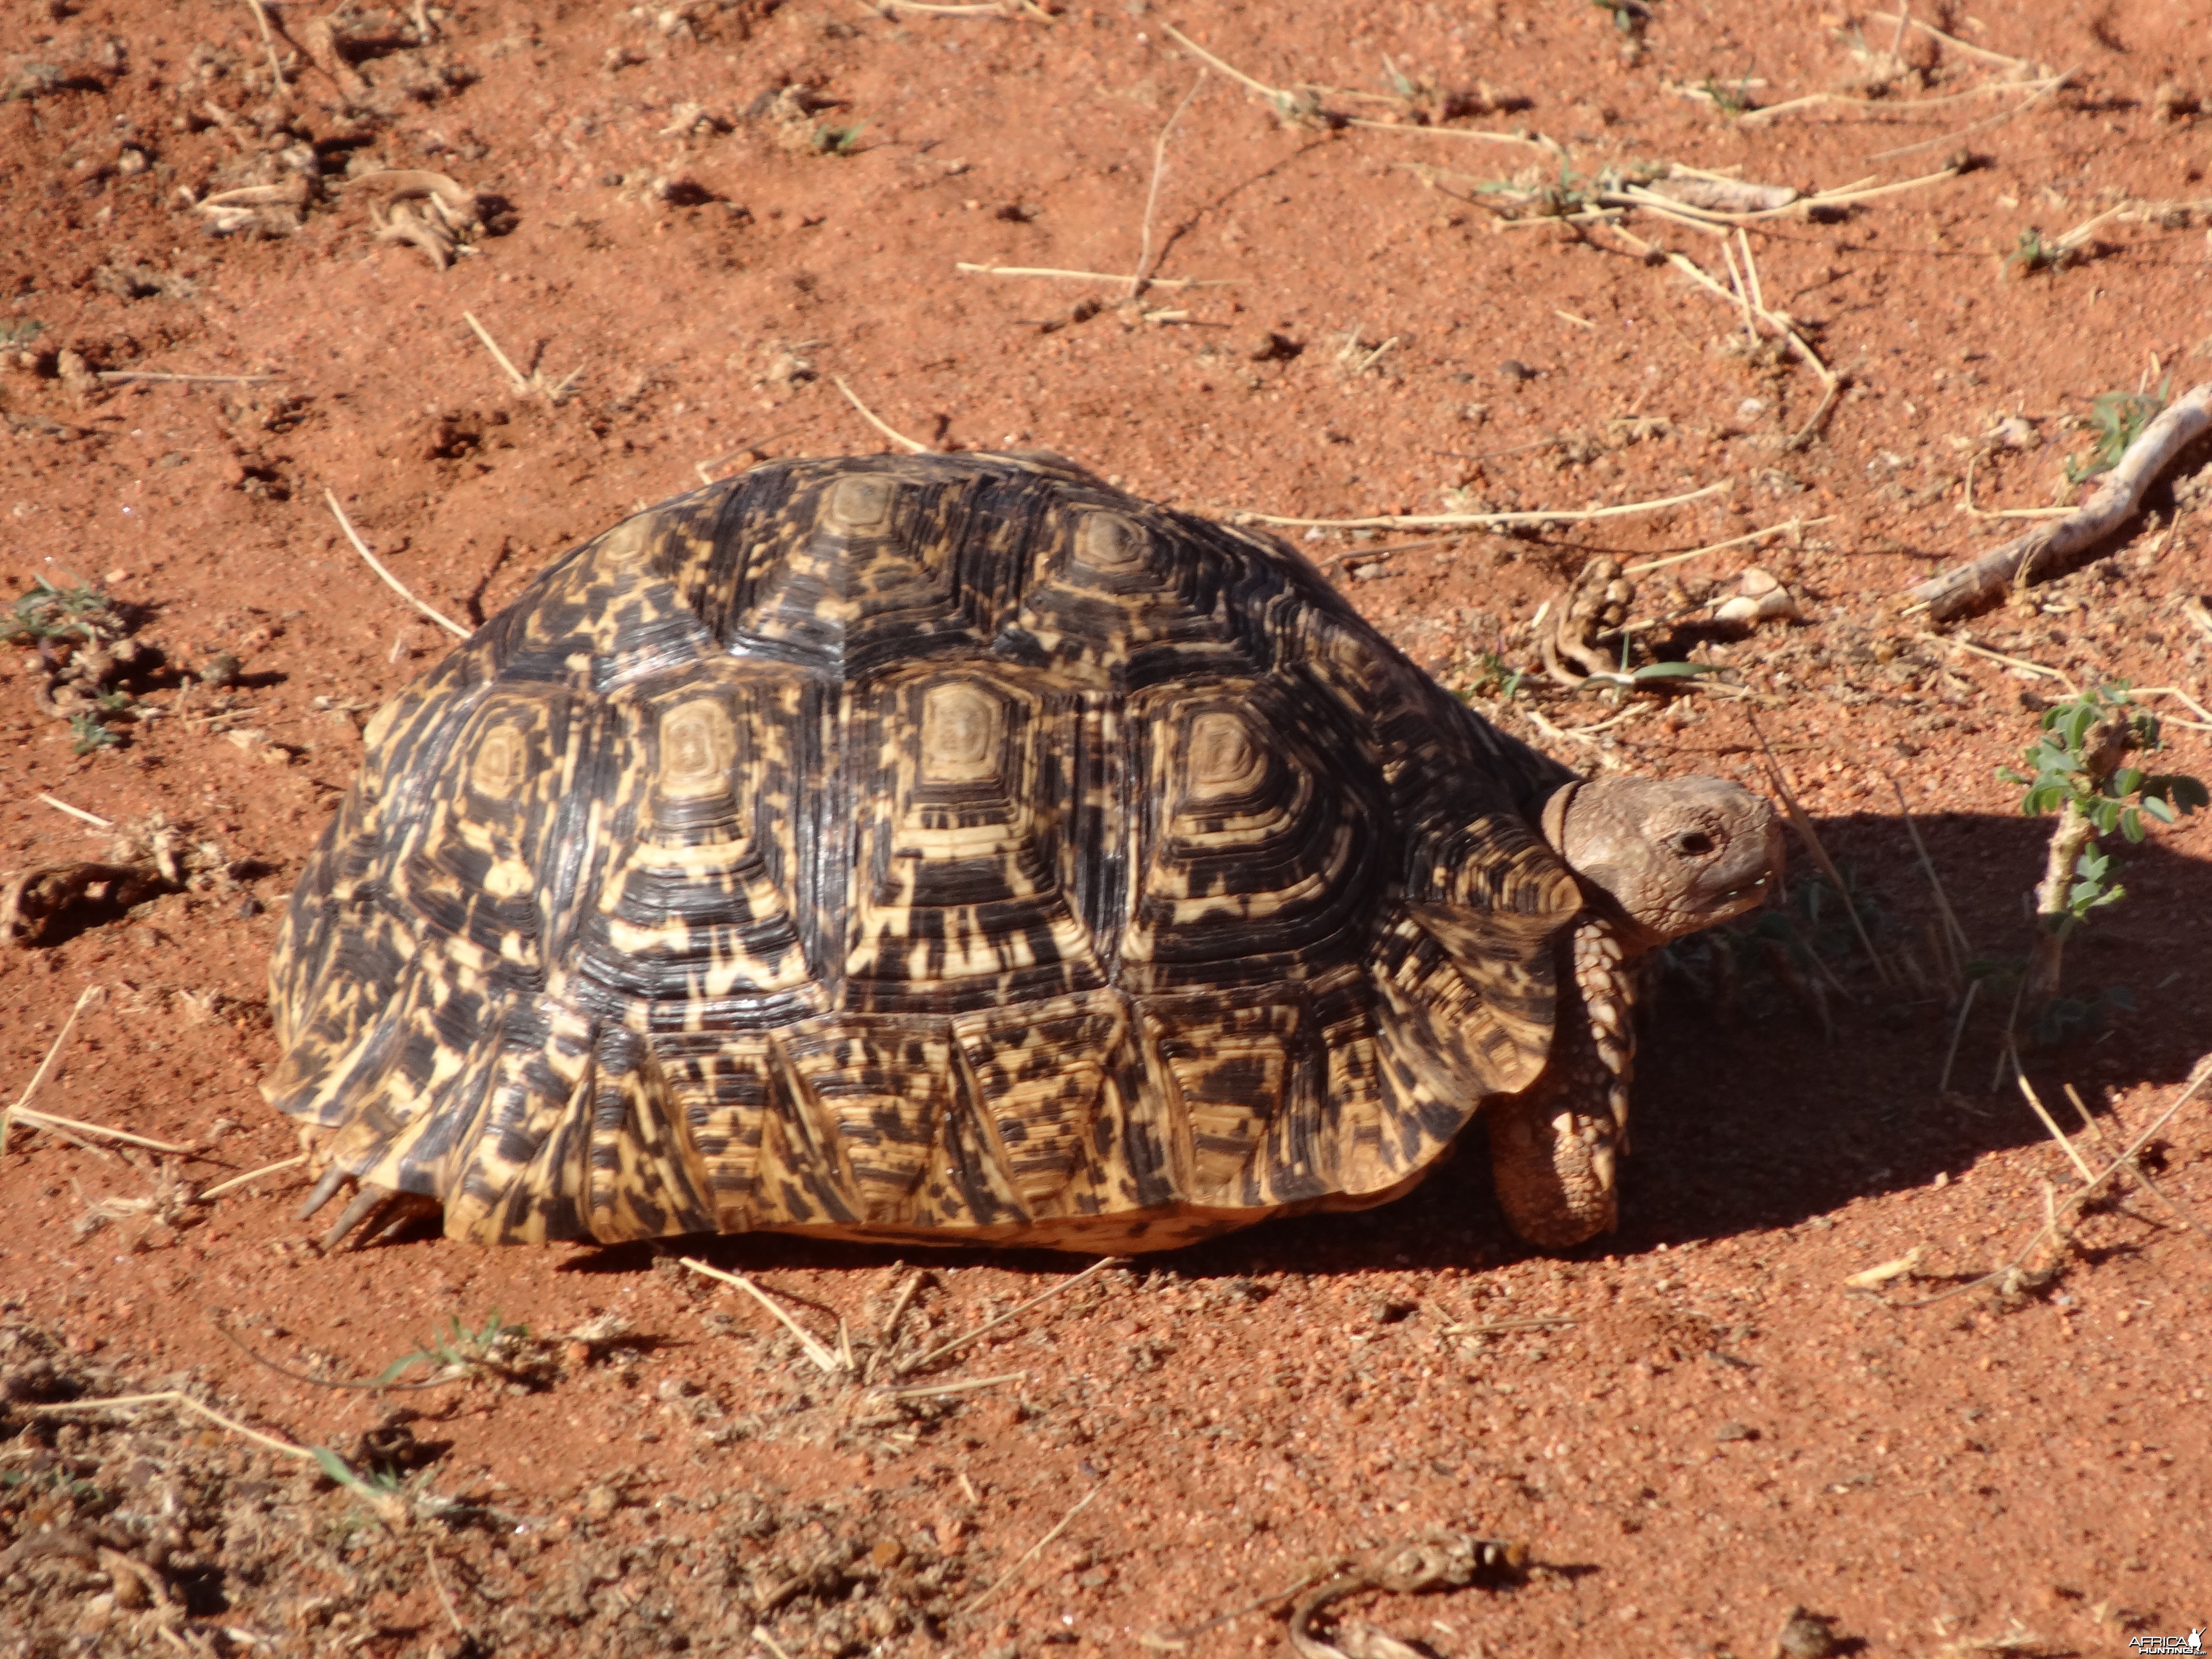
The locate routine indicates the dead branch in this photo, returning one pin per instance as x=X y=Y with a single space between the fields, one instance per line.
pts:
x=2042 y=552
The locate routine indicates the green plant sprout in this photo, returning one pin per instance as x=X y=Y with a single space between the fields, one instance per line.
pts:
x=838 y=141
x=48 y=612
x=2120 y=418
x=2032 y=253
x=2077 y=770
x=1732 y=102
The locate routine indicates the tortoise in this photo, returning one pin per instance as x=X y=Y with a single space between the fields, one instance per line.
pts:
x=954 y=850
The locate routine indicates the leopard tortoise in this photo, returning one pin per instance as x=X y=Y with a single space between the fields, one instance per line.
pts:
x=955 y=849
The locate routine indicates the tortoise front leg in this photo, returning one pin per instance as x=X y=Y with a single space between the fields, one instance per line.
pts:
x=1555 y=1148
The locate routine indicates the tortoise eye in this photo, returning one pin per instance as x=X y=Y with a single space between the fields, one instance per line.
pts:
x=1693 y=843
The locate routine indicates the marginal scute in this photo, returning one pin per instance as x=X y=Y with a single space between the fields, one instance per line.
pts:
x=933 y=848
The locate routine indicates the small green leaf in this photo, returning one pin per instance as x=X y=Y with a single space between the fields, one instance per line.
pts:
x=1674 y=671
x=2156 y=805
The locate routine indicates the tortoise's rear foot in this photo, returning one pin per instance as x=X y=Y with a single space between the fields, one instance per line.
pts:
x=375 y=1211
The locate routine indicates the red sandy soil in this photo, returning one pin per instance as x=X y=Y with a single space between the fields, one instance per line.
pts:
x=1717 y=1430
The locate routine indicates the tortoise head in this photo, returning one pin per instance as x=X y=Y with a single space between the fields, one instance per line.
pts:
x=1674 y=855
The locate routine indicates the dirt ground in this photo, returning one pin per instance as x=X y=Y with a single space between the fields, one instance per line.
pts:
x=682 y=227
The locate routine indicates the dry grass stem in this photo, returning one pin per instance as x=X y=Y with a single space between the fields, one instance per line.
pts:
x=834 y=1365
x=1815 y=848
x=964 y=1385
x=236 y=1182
x=174 y=1397
x=1907 y=20
x=45 y=1066
x=1033 y=1552
x=869 y=416
x=118 y=376
x=1139 y=279
x=1580 y=733
x=1966 y=501
x=391 y=580
x=1092 y=275
x=1934 y=881
x=762 y=1635
x=1478 y=520
x=1174 y=1641
x=533 y=384
x=1501 y=1327
x=77 y=813
x=2051 y=1123
x=1306 y=102
x=2040 y=90
x=2135 y=1171
x=906 y=1368
x=2038 y=554
x=1794 y=526
x=2052 y=1225
x=445 y=1597
x=515 y=377
x=1957 y=1030
x=268 y=44
x=1873 y=1278
x=1741 y=292
x=47 y=1121
x=2032 y=670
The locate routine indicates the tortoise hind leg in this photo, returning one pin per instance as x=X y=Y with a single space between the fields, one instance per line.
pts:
x=1554 y=1148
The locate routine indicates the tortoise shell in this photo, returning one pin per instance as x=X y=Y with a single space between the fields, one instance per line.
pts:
x=933 y=848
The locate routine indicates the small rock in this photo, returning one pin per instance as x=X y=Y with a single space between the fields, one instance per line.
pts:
x=1734 y=1431
x=601 y=1502
x=1514 y=369
x=1807 y=1635
x=220 y=669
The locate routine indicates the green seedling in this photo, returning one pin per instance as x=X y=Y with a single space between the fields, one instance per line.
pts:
x=2120 y=418
x=2077 y=771
x=1732 y=102
x=1629 y=16
x=1490 y=679
x=2032 y=253
x=48 y=612
x=88 y=735
x=838 y=141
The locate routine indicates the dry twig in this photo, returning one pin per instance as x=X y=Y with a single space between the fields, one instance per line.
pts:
x=45 y=1066
x=1305 y=103
x=1092 y=275
x=396 y=585
x=1138 y=277
x=2041 y=551
x=812 y=1345
x=906 y=1368
x=1032 y=1551
x=868 y=414
x=1486 y=520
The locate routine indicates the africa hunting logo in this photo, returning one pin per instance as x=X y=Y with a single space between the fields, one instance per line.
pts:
x=2193 y=1643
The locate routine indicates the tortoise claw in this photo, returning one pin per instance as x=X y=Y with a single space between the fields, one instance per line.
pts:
x=375 y=1212
x=325 y=1190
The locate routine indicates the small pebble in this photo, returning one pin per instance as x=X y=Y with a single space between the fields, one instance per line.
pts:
x=220 y=669
x=1514 y=369
x=1734 y=1431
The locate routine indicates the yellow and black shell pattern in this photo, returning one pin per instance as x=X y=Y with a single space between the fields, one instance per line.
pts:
x=926 y=847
